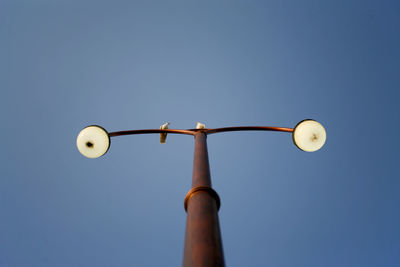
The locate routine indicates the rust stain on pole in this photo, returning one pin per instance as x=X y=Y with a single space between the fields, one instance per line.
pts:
x=203 y=243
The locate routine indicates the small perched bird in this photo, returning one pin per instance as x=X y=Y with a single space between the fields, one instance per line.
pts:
x=163 y=136
x=200 y=125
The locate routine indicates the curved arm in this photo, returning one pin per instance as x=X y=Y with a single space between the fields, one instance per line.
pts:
x=149 y=131
x=206 y=131
x=249 y=128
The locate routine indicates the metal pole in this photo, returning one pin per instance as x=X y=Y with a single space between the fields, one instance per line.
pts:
x=203 y=243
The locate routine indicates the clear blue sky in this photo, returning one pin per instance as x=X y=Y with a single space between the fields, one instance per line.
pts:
x=137 y=64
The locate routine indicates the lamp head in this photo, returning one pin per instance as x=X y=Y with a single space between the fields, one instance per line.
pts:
x=93 y=141
x=309 y=135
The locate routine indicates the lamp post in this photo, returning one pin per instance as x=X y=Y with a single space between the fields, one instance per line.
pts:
x=203 y=243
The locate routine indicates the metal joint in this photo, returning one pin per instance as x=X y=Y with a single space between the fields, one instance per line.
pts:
x=206 y=189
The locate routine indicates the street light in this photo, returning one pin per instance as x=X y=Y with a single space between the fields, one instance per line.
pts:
x=93 y=141
x=309 y=135
x=203 y=243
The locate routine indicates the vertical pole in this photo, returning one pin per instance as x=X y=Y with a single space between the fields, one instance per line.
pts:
x=203 y=244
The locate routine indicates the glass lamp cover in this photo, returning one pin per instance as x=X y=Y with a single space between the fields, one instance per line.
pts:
x=93 y=141
x=309 y=135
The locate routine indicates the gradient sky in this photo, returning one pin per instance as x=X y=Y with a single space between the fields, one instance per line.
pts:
x=137 y=64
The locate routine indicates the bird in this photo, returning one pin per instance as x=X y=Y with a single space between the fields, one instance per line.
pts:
x=163 y=136
x=200 y=125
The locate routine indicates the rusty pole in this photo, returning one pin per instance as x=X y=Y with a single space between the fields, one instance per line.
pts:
x=203 y=243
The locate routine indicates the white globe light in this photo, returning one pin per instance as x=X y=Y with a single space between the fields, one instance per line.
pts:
x=93 y=141
x=309 y=135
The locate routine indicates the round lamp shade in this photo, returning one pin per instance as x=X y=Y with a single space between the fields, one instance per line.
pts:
x=309 y=135
x=93 y=141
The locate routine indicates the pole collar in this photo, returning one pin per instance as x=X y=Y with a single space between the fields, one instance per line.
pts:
x=198 y=189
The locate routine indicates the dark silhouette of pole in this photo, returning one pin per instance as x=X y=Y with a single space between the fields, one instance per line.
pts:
x=203 y=243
